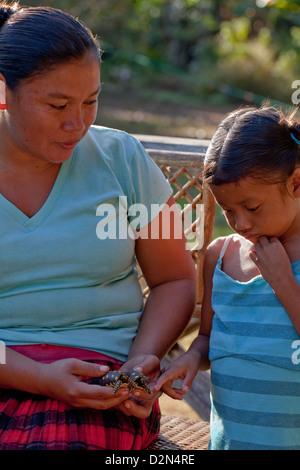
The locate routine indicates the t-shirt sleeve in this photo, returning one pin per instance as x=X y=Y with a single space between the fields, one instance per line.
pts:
x=150 y=189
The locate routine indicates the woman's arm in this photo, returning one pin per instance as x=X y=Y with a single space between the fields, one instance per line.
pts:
x=62 y=380
x=171 y=302
x=170 y=273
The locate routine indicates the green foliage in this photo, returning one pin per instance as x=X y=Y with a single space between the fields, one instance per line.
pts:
x=250 y=45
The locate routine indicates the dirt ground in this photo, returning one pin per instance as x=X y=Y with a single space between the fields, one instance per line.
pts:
x=138 y=114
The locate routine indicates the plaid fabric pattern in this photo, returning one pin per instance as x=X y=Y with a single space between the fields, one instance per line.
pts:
x=35 y=422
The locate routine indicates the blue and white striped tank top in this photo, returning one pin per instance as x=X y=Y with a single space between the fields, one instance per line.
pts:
x=255 y=366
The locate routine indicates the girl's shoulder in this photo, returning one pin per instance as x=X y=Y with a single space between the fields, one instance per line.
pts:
x=215 y=247
x=218 y=247
x=233 y=244
x=233 y=253
x=230 y=250
x=212 y=254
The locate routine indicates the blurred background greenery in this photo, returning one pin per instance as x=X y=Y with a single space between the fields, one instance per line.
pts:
x=195 y=45
x=176 y=67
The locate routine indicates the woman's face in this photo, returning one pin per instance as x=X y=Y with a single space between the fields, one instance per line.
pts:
x=47 y=116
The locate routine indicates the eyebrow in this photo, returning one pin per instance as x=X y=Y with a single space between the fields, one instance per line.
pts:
x=243 y=202
x=67 y=97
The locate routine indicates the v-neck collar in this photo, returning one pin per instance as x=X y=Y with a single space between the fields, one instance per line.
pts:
x=30 y=223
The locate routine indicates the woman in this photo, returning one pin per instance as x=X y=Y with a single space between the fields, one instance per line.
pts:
x=70 y=304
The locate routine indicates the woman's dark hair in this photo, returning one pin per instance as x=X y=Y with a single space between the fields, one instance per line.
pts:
x=34 y=40
x=253 y=142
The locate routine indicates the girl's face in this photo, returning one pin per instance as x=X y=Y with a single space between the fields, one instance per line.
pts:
x=47 y=116
x=255 y=209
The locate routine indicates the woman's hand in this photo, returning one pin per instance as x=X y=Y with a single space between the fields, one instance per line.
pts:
x=146 y=363
x=140 y=402
x=64 y=380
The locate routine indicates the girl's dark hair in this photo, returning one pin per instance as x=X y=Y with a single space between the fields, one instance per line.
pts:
x=34 y=40
x=253 y=142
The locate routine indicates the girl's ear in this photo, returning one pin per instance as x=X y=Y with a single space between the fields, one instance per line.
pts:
x=295 y=183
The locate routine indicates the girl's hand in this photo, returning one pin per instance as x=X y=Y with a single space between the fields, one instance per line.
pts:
x=275 y=266
x=184 y=368
x=64 y=380
x=272 y=261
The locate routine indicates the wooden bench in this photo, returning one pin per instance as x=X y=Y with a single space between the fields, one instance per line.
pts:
x=181 y=161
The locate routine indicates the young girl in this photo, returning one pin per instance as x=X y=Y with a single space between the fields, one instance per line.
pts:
x=250 y=322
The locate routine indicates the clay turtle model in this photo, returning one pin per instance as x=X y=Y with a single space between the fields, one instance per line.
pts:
x=131 y=378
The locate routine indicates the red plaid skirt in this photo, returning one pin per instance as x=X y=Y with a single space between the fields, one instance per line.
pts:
x=34 y=422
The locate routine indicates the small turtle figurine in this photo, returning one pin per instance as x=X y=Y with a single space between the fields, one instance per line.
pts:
x=115 y=379
x=132 y=379
x=138 y=380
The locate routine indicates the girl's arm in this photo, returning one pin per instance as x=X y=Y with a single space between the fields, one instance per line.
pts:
x=274 y=264
x=197 y=357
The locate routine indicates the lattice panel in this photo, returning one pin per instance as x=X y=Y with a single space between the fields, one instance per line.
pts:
x=187 y=190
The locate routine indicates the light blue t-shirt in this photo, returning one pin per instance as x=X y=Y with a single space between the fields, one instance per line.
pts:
x=68 y=273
